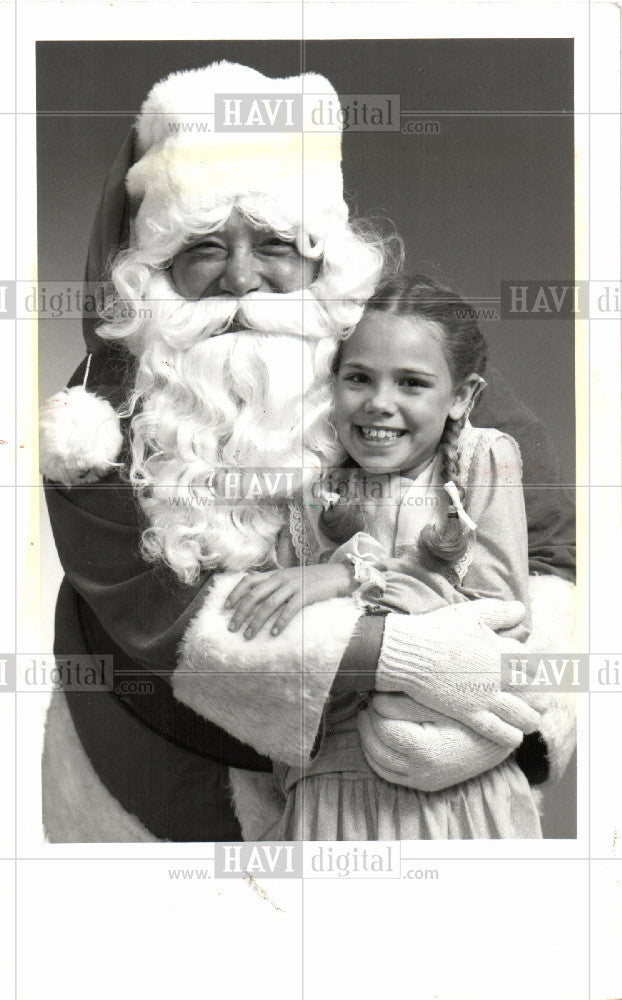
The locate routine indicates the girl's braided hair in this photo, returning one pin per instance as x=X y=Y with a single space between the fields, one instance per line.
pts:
x=466 y=354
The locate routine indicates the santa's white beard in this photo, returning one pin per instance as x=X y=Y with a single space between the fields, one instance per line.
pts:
x=211 y=405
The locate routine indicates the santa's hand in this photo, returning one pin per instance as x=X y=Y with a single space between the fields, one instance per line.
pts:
x=427 y=756
x=281 y=593
x=450 y=661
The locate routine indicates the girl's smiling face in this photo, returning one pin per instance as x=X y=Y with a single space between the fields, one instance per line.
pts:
x=394 y=392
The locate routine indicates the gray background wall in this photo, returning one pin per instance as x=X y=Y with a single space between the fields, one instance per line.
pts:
x=487 y=199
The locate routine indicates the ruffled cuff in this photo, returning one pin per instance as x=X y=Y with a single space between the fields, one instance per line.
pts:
x=369 y=560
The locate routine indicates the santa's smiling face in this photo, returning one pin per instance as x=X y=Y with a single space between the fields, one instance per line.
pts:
x=234 y=356
x=239 y=258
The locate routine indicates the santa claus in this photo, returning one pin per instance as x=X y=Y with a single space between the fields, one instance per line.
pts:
x=241 y=274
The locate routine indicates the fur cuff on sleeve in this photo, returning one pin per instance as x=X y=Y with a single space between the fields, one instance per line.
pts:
x=268 y=691
x=554 y=617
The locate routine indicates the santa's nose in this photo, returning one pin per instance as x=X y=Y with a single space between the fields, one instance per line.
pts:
x=240 y=275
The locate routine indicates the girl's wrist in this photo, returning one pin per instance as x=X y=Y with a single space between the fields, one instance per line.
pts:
x=345 y=579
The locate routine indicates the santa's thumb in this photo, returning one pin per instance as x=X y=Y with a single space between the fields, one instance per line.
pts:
x=497 y=614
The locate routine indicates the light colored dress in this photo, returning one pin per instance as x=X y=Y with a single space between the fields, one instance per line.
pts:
x=338 y=796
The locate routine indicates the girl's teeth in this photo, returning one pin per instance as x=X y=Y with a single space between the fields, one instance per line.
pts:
x=379 y=433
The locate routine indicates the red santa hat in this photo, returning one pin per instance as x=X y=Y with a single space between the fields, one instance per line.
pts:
x=193 y=159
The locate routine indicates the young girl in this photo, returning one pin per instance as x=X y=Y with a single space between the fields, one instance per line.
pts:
x=430 y=513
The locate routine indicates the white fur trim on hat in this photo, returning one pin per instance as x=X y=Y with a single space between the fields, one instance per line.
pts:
x=188 y=167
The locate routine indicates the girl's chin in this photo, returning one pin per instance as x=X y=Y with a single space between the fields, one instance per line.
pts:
x=376 y=464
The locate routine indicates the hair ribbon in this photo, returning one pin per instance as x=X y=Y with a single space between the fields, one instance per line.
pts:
x=456 y=502
x=480 y=385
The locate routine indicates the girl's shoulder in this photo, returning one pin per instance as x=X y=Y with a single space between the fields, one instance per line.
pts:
x=488 y=452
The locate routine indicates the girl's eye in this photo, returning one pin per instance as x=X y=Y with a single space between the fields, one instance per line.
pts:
x=415 y=383
x=357 y=378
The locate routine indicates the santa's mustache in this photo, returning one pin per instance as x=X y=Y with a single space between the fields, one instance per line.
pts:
x=182 y=322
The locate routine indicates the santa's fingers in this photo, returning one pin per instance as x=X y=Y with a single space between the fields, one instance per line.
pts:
x=266 y=609
x=249 y=600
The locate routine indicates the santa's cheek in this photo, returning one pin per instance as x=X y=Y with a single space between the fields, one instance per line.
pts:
x=291 y=275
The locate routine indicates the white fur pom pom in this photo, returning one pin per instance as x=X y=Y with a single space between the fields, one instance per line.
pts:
x=79 y=437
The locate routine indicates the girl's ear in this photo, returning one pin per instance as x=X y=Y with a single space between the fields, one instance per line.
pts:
x=465 y=396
